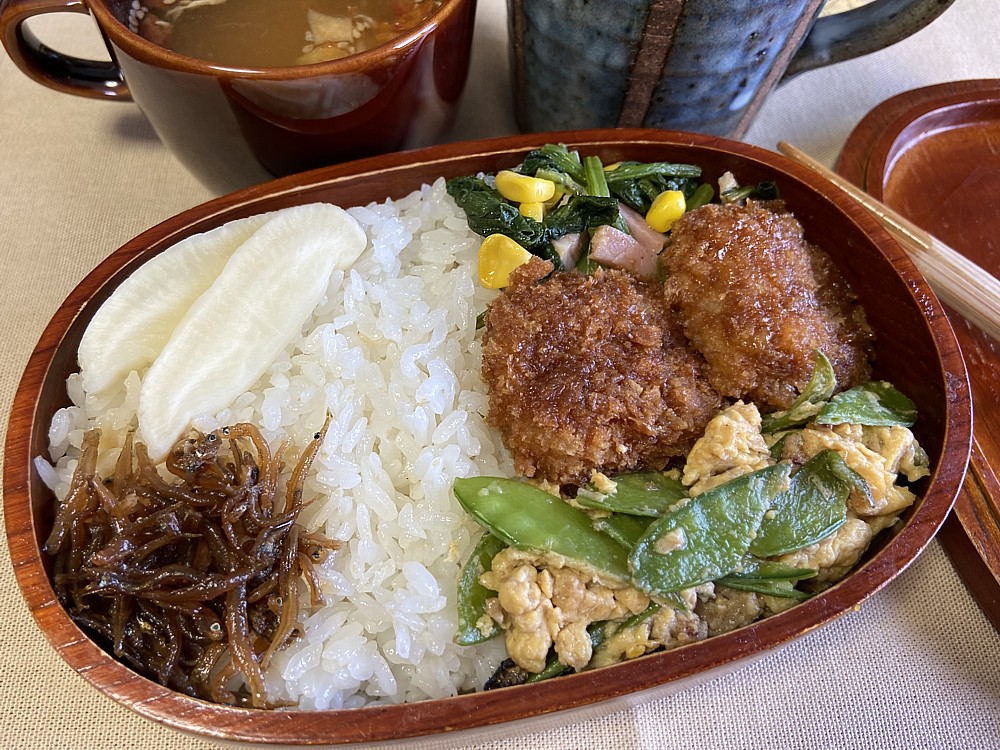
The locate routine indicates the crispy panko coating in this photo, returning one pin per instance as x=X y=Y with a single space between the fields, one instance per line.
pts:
x=756 y=299
x=590 y=372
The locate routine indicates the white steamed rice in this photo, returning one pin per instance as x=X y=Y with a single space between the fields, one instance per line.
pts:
x=391 y=354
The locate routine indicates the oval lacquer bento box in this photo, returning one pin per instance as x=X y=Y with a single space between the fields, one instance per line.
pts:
x=916 y=350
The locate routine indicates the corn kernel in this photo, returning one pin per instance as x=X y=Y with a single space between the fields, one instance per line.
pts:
x=667 y=208
x=499 y=255
x=521 y=188
x=534 y=211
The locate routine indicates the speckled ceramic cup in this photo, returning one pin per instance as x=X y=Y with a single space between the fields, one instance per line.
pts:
x=696 y=65
x=236 y=126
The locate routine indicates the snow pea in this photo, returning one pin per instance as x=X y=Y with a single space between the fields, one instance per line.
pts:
x=623 y=528
x=813 y=507
x=819 y=389
x=768 y=577
x=876 y=404
x=769 y=587
x=755 y=569
x=472 y=595
x=643 y=493
x=707 y=537
x=525 y=516
x=553 y=668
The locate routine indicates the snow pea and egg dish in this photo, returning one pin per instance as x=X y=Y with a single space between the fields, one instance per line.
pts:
x=507 y=427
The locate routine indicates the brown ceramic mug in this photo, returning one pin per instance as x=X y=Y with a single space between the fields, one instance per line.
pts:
x=233 y=127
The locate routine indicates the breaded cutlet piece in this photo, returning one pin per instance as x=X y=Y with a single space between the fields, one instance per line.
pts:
x=756 y=299
x=590 y=372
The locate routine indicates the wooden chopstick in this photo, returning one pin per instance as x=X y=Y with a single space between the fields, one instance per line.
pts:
x=966 y=287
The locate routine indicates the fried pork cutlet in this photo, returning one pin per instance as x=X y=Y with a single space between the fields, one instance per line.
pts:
x=756 y=300
x=590 y=372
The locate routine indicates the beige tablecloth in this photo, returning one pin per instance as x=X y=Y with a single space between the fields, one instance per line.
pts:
x=918 y=666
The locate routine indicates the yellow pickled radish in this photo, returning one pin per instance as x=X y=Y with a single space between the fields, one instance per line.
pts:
x=534 y=211
x=522 y=188
x=499 y=255
x=667 y=208
x=241 y=323
x=133 y=325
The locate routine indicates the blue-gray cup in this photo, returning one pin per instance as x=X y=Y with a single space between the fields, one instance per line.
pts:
x=703 y=66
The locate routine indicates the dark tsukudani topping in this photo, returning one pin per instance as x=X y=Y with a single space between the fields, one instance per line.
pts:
x=192 y=580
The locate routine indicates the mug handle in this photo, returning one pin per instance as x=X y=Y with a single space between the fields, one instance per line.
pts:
x=71 y=75
x=869 y=28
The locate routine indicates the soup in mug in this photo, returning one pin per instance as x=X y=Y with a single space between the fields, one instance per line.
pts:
x=275 y=33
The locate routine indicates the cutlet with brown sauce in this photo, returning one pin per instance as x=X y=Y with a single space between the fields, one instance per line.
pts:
x=756 y=299
x=590 y=372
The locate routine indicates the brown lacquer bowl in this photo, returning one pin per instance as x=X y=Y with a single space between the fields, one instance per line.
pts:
x=916 y=350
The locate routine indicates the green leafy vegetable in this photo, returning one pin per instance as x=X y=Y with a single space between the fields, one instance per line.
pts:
x=762 y=191
x=579 y=213
x=625 y=171
x=488 y=213
x=636 y=184
x=590 y=198
x=554 y=157
x=702 y=195
x=596 y=182
x=565 y=184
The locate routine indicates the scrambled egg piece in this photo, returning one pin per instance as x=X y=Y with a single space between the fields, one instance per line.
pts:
x=834 y=556
x=879 y=455
x=876 y=453
x=666 y=628
x=545 y=601
x=731 y=447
